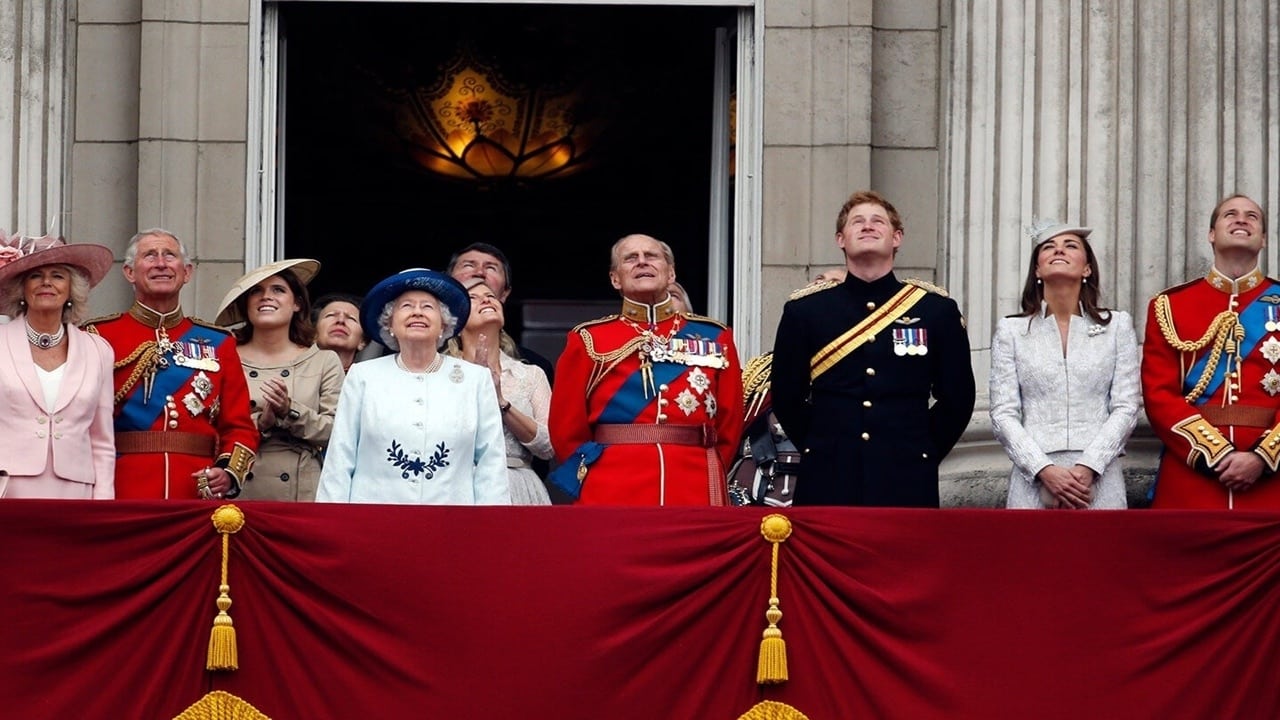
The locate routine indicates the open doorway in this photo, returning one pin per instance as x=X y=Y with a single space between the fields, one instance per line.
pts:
x=355 y=197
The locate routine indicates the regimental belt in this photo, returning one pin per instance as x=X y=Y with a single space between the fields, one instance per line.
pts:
x=860 y=334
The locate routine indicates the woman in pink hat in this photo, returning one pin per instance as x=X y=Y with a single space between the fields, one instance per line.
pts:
x=55 y=379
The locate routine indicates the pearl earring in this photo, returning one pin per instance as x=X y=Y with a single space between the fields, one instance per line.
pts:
x=1038 y=281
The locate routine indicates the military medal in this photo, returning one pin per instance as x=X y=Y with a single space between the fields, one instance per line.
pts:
x=456 y=374
x=1271 y=350
x=899 y=342
x=1273 y=319
x=922 y=346
x=197 y=355
x=1271 y=382
x=202 y=385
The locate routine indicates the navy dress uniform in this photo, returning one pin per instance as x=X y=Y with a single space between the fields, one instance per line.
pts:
x=855 y=365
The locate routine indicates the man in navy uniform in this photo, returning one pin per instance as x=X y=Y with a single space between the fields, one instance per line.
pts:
x=855 y=365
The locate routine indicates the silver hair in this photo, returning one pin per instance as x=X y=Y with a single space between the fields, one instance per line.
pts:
x=11 y=295
x=615 y=260
x=131 y=252
x=448 y=321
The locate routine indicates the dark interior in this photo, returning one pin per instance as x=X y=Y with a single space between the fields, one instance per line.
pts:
x=355 y=199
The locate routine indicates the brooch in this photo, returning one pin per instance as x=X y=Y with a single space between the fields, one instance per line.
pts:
x=1097 y=330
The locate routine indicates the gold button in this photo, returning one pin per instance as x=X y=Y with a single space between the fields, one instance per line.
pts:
x=173 y=413
x=664 y=387
x=1235 y=386
x=1234 y=374
x=806 y=451
x=871 y=338
x=662 y=417
x=866 y=436
x=871 y=305
x=871 y=371
x=173 y=424
x=662 y=402
x=866 y=403
x=924 y=455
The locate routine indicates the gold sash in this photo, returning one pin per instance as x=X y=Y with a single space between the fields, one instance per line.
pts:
x=855 y=337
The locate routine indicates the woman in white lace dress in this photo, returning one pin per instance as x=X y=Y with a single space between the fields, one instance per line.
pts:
x=524 y=395
x=1065 y=389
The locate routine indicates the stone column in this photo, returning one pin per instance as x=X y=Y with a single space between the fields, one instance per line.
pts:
x=1131 y=116
x=33 y=82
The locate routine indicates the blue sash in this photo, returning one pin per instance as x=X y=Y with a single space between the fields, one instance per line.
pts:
x=1253 y=319
x=627 y=404
x=137 y=415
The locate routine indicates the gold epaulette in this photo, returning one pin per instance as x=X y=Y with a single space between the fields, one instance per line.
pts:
x=756 y=376
x=597 y=321
x=811 y=288
x=206 y=324
x=927 y=286
x=88 y=325
x=705 y=319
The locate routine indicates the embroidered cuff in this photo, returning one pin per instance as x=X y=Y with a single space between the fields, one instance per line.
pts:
x=237 y=463
x=1268 y=448
x=1207 y=441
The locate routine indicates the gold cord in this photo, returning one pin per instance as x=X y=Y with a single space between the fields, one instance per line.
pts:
x=1224 y=332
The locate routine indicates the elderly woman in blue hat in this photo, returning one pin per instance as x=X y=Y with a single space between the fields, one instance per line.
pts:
x=416 y=426
x=1065 y=389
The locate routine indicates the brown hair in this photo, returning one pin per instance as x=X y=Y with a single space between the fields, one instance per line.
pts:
x=1033 y=290
x=864 y=197
x=302 y=331
x=1213 y=217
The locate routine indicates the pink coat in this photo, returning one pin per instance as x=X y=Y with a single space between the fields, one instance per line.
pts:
x=77 y=432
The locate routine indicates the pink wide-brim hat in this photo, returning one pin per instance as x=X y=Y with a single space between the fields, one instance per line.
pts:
x=19 y=255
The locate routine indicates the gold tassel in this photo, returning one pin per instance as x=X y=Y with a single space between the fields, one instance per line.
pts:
x=772 y=668
x=227 y=520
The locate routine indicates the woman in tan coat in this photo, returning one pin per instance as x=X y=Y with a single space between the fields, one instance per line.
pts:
x=293 y=385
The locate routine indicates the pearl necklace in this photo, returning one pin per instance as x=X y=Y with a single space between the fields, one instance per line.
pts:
x=432 y=366
x=45 y=341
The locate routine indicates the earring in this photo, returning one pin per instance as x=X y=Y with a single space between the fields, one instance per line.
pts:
x=1084 y=280
x=22 y=303
x=1038 y=282
x=68 y=304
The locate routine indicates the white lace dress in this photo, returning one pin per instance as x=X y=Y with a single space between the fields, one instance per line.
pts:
x=1047 y=408
x=526 y=388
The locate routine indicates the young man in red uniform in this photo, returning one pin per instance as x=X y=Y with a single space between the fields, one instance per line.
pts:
x=182 y=422
x=647 y=406
x=1209 y=375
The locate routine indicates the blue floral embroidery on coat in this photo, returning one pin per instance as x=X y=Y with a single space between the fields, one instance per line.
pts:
x=416 y=465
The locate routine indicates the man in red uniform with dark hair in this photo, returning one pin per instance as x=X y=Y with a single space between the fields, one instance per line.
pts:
x=183 y=428
x=647 y=406
x=1209 y=375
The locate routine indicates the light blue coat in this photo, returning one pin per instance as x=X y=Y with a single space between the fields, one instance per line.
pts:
x=416 y=438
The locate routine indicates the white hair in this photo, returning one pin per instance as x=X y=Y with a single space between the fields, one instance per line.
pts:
x=449 y=322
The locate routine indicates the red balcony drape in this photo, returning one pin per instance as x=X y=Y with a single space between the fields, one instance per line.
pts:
x=374 y=612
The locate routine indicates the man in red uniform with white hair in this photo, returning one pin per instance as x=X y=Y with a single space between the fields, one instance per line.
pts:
x=183 y=428
x=1209 y=375
x=647 y=405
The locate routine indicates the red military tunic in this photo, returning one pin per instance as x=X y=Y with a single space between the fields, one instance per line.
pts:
x=1211 y=385
x=181 y=403
x=662 y=392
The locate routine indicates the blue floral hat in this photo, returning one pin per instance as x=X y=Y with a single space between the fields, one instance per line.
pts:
x=443 y=287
